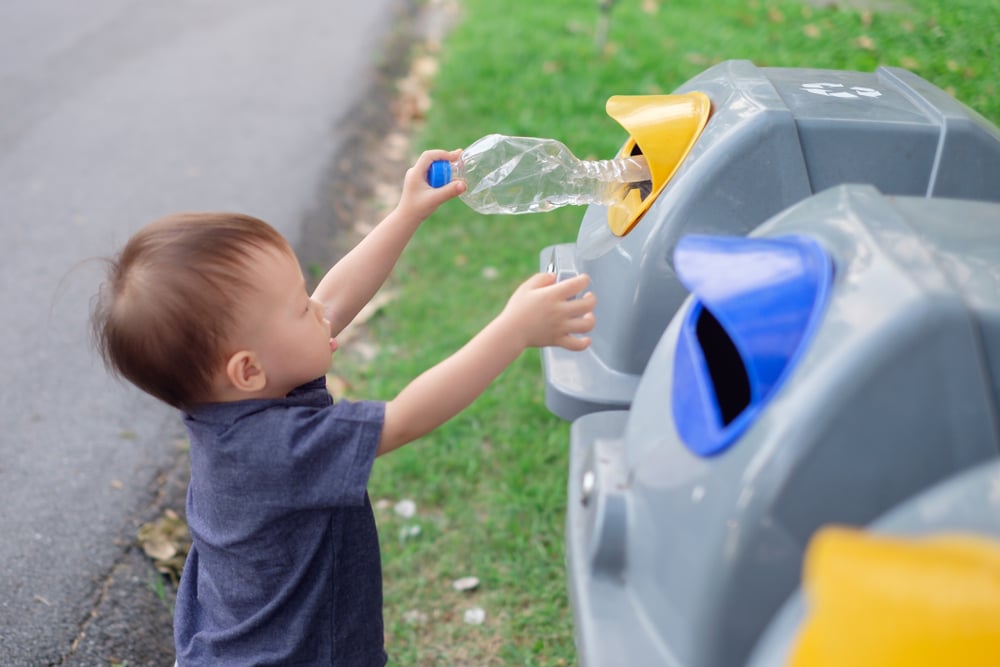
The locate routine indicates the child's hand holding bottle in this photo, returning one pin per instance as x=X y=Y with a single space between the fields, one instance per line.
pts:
x=419 y=200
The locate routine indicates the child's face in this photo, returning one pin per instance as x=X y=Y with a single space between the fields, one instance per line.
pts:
x=287 y=329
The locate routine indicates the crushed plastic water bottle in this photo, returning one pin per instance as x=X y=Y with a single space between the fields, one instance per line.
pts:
x=511 y=175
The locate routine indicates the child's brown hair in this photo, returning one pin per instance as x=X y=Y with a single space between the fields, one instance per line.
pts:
x=172 y=299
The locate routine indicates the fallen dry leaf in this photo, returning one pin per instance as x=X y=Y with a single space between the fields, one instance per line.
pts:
x=396 y=147
x=424 y=67
x=413 y=101
x=166 y=541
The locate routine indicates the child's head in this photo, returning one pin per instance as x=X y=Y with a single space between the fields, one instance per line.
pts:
x=176 y=298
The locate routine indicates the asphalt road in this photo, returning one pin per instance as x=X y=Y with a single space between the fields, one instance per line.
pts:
x=115 y=112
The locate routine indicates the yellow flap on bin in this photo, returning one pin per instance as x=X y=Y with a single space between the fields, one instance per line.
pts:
x=664 y=127
x=876 y=600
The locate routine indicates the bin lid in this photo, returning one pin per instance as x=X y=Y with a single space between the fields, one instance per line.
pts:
x=663 y=129
x=757 y=302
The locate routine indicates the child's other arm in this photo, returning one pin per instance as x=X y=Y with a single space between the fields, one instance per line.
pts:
x=354 y=280
x=540 y=313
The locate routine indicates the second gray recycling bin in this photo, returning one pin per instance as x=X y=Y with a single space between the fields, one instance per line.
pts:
x=872 y=374
x=967 y=503
x=774 y=137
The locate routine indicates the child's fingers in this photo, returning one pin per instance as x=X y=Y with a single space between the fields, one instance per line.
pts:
x=539 y=280
x=417 y=174
x=580 y=324
x=434 y=197
x=574 y=343
x=434 y=154
x=431 y=155
x=563 y=290
x=587 y=301
x=579 y=306
x=570 y=287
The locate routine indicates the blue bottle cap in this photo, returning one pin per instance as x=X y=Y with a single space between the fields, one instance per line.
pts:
x=439 y=173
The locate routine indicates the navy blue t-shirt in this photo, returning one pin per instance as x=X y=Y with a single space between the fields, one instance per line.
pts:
x=284 y=567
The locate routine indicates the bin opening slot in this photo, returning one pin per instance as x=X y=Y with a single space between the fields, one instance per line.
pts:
x=726 y=371
x=666 y=126
x=757 y=301
x=645 y=188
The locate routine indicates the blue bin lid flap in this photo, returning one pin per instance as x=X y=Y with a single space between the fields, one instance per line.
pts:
x=756 y=303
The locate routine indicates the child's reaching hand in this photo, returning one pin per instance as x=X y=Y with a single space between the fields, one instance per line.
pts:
x=540 y=313
x=545 y=313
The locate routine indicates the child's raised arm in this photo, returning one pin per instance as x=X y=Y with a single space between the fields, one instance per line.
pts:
x=354 y=280
x=540 y=313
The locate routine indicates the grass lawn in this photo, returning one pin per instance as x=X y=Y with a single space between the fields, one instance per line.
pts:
x=489 y=487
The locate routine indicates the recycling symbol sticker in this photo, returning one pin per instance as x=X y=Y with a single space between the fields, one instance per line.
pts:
x=839 y=90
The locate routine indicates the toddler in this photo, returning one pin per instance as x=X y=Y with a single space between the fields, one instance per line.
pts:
x=210 y=313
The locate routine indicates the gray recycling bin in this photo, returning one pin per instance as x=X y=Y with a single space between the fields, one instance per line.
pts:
x=774 y=137
x=967 y=503
x=838 y=360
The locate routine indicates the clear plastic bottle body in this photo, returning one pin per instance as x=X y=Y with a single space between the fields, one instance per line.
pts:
x=512 y=175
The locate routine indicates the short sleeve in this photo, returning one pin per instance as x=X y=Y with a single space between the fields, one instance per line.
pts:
x=310 y=457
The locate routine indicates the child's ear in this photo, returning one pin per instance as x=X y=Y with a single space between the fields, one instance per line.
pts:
x=244 y=372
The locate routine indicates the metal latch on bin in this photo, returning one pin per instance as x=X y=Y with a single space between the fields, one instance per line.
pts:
x=757 y=302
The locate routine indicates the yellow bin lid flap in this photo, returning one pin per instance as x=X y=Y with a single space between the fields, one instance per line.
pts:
x=665 y=128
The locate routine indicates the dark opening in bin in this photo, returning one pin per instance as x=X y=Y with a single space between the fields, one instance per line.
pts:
x=645 y=188
x=725 y=367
